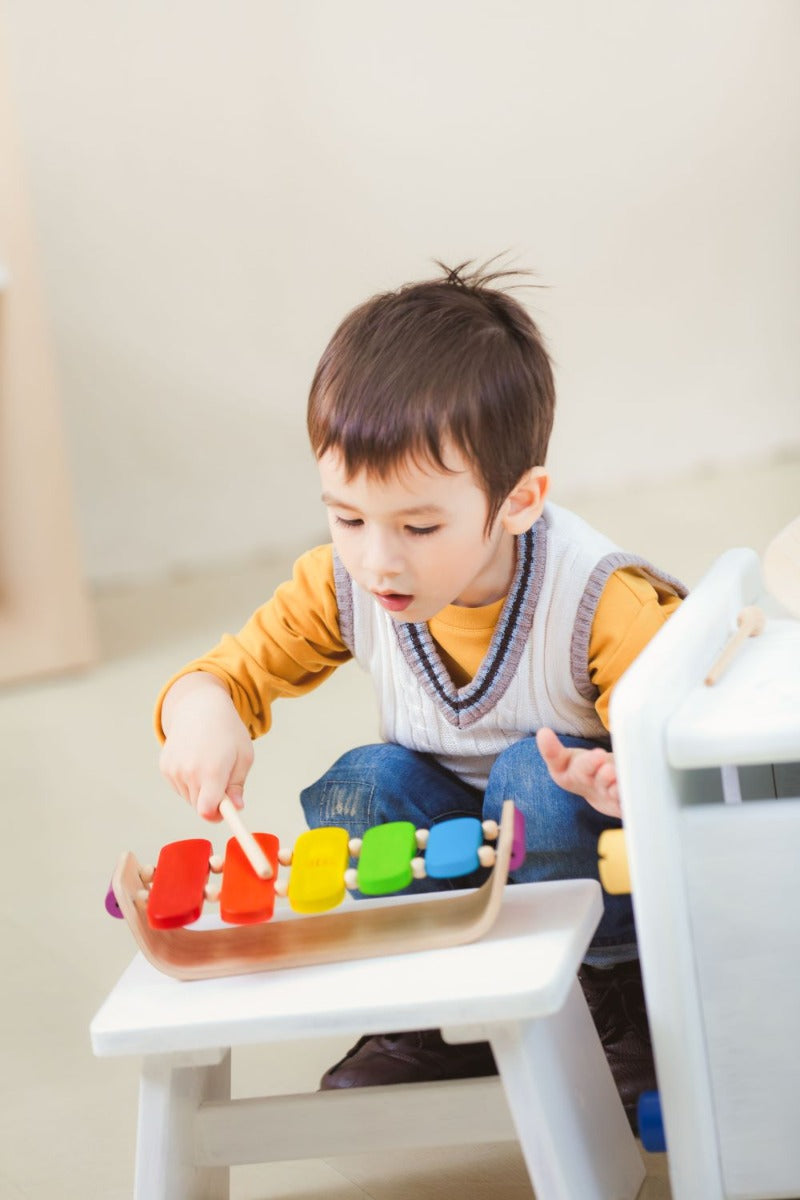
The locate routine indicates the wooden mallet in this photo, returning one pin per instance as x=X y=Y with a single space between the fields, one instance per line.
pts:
x=750 y=622
x=253 y=852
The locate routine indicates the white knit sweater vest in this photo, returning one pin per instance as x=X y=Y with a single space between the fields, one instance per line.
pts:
x=535 y=672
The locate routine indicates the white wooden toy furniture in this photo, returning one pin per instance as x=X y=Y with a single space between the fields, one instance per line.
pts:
x=710 y=788
x=516 y=986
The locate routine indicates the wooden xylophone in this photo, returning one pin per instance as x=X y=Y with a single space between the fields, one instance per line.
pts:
x=159 y=903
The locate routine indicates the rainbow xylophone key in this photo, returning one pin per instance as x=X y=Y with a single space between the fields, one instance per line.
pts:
x=245 y=898
x=178 y=889
x=389 y=857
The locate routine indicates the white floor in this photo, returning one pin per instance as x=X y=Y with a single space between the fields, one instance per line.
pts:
x=80 y=776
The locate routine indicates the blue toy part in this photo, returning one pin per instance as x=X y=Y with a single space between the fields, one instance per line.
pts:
x=651 y=1124
x=452 y=848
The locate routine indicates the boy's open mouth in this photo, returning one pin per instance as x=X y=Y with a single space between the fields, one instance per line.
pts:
x=393 y=601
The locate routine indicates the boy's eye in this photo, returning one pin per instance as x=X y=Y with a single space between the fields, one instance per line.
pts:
x=351 y=523
x=422 y=531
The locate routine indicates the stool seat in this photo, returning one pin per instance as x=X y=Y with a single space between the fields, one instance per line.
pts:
x=515 y=987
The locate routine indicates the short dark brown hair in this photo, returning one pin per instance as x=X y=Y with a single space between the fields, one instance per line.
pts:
x=454 y=359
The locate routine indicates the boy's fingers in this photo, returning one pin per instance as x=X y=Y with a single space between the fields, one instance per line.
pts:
x=235 y=786
x=607 y=774
x=180 y=787
x=554 y=754
x=595 y=762
x=235 y=792
x=209 y=799
x=546 y=739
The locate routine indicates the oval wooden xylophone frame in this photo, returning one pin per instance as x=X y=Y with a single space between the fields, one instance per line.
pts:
x=362 y=930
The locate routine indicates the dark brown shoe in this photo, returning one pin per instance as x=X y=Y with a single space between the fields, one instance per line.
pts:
x=417 y=1057
x=616 y=1001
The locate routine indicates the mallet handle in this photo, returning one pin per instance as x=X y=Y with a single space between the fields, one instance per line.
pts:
x=750 y=622
x=253 y=852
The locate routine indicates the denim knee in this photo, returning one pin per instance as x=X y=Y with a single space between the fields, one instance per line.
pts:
x=345 y=794
x=374 y=784
x=556 y=820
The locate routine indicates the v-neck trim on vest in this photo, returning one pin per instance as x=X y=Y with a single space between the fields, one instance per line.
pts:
x=463 y=706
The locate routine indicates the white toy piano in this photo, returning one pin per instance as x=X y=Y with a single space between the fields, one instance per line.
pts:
x=710 y=785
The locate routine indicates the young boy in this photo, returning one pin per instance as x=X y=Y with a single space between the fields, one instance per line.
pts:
x=486 y=616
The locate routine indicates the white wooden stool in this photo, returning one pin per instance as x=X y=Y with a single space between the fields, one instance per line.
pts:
x=517 y=987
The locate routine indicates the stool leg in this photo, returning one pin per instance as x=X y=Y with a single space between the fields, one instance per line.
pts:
x=172 y=1088
x=569 y=1118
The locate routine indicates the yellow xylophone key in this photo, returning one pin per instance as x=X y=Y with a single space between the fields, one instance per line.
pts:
x=319 y=861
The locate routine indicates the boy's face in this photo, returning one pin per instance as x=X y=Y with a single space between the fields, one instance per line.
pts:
x=416 y=540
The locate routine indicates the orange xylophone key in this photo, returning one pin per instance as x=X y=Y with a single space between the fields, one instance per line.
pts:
x=245 y=899
x=176 y=897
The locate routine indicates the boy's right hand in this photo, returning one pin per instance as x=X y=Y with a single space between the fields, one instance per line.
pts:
x=208 y=752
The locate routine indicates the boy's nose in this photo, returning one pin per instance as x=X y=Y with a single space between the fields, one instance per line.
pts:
x=381 y=557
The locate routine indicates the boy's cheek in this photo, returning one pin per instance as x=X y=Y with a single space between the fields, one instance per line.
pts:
x=346 y=558
x=335 y=538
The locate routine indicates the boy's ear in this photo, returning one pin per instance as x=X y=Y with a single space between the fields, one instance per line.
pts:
x=524 y=505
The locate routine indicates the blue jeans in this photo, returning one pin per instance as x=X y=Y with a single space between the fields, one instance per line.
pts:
x=374 y=784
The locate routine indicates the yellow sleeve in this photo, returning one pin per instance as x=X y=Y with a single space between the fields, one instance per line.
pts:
x=631 y=610
x=289 y=646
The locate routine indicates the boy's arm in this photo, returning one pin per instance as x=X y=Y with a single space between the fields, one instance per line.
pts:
x=630 y=612
x=209 y=712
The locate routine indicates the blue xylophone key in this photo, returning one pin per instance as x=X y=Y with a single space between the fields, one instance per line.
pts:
x=452 y=848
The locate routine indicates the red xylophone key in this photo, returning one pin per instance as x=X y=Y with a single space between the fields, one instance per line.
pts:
x=245 y=899
x=176 y=897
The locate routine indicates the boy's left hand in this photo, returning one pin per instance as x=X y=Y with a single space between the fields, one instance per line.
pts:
x=588 y=773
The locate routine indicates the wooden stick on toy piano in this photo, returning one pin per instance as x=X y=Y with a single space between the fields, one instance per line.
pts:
x=750 y=622
x=362 y=930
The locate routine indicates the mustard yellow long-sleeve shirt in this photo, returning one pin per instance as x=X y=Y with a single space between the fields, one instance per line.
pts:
x=292 y=643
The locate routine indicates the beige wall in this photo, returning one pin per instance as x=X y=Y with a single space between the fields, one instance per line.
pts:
x=215 y=183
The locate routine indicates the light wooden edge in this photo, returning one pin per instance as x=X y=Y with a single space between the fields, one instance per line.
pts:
x=363 y=930
x=781 y=566
x=46 y=615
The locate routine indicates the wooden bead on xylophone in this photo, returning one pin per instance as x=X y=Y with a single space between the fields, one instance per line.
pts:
x=158 y=903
